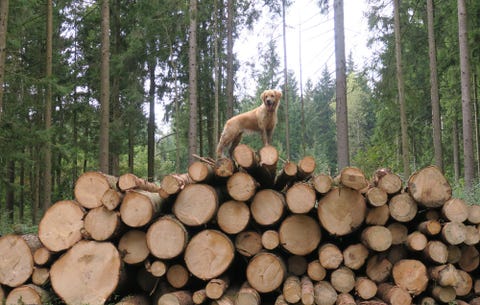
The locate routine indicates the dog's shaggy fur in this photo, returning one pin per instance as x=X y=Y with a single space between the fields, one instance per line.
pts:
x=262 y=119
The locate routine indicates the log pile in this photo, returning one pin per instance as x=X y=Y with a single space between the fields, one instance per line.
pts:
x=239 y=232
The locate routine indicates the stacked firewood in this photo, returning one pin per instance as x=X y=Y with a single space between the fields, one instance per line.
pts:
x=237 y=231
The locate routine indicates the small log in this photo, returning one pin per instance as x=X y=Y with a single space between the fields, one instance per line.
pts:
x=341 y=211
x=428 y=301
x=376 y=196
x=180 y=297
x=353 y=178
x=111 y=199
x=469 y=259
x=416 y=241
x=27 y=294
x=16 y=265
x=156 y=268
x=99 y=260
x=330 y=256
x=308 y=297
x=306 y=167
x=345 y=299
x=292 y=289
x=167 y=237
x=245 y=156
x=196 y=204
x=40 y=276
x=286 y=175
x=135 y=299
x=266 y=272
x=443 y=294
x=130 y=181
x=138 y=207
x=292 y=234
x=90 y=188
x=474 y=214
x=393 y=295
x=465 y=283
x=365 y=288
x=248 y=296
x=354 y=256
x=297 y=265
x=233 y=216
x=454 y=254
x=399 y=233
x=430 y=227
x=216 y=287
x=322 y=183
x=241 y=186
x=379 y=268
x=42 y=256
x=343 y=279
x=411 y=275
x=268 y=159
x=377 y=216
x=472 y=235
x=224 y=167
x=199 y=296
x=387 y=181
x=377 y=238
x=429 y=187
x=267 y=207
x=402 y=207
x=102 y=224
x=174 y=183
x=444 y=275
x=209 y=254
x=316 y=271
x=61 y=225
x=133 y=247
x=455 y=209
x=200 y=172
x=324 y=293
x=280 y=300
x=177 y=276
x=436 y=251
x=248 y=243
x=453 y=232
x=300 y=198
x=270 y=239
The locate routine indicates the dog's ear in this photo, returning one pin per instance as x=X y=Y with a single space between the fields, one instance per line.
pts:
x=278 y=94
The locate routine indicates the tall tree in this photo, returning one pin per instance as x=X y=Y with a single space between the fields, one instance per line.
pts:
x=47 y=182
x=230 y=29
x=285 y=76
x=437 y=132
x=468 y=160
x=3 y=47
x=401 y=89
x=151 y=120
x=341 y=86
x=105 y=87
x=192 y=59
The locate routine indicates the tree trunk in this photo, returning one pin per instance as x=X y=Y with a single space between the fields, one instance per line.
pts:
x=129 y=181
x=248 y=296
x=230 y=56
x=40 y=276
x=193 y=67
x=151 y=117
x=216 y=287
x=3 y=45
x=100 y=260
x=105 y=88
x=376 y=196
x=353 y=178
x=270 y=239
x=316 y=271
x=166 y=238
x=173 y=183
x=387 y=181
x=285 y=83
x=322 y=183
x=181 y=297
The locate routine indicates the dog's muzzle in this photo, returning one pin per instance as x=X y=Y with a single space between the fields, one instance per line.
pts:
x=270 y=105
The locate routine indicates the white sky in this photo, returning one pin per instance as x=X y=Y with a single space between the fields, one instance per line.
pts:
x=317 y=39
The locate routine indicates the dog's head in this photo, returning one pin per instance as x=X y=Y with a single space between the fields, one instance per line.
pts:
x=271 y=99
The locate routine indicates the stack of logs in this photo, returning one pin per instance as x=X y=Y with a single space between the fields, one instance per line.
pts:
x=236 y=231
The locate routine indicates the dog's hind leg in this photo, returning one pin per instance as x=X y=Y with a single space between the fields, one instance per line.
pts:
x=235 y=143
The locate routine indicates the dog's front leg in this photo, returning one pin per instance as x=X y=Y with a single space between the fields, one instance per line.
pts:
x=265 y=137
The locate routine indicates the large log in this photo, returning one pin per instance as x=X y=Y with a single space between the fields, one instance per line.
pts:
x=196 y=204
x=266 y=272
x=241 y=186
x=341 y=211
x=102 y=224
x=92 y=267
x=455 y=209
x=377 y=238
x=233 y=216
x=354 y=178
x=411 y=275
x=267 y=207
x=61 y=225
x=16 y=263
x=429 y=187
x=167 y=237
x=292 y=234
x=402 y=207
x=139 y=208
x=209 y=254
x=91 y=186
x=300 y=198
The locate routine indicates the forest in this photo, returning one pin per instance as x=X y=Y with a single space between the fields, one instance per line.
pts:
x=83 y=83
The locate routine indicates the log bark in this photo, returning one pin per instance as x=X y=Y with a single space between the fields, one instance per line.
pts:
x=266 y=272
x=267 y=207
x=27 y=294
x=209 y=254
x=455 y=209
x=353 y=178
x=341 y=211
x=377 y=238
x=343 y=279
x=233 y=216
x=402 y=207
x=241 y=186
x=376 y=196
x=324 y=293
x=16 y=265
x=129 y=181
x=387 y=181
x=200 y=172
x=393 y=295
x=411 y=275
x=102 y=224
x=355 y=255
x=177 y=276
x=61 y=225
x=429 y=187
x=322 y=183
x=365 y=288
x=133 y=247
x=300 y=198
x=167 y=237
x=248 y=243
x=92 y=267
x=139 y=208
x=330 y=256
x=270 y=239
x=91 y=186
x=293 y=230
x=196 y=204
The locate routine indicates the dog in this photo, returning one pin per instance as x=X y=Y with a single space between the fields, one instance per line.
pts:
x=262 y=119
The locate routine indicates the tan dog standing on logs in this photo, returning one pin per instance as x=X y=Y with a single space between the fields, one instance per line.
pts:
x=262 y=119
